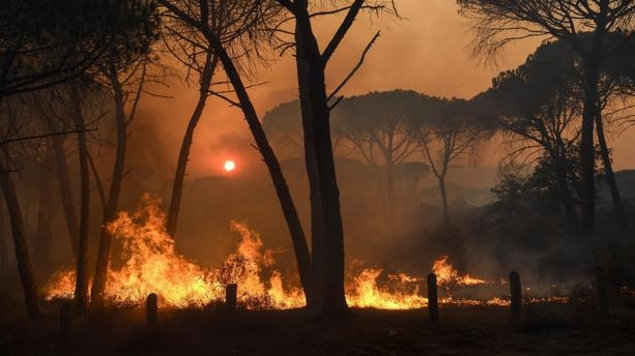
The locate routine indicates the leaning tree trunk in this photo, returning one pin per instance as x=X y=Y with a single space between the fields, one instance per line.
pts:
x=312 y=85
x=19 y=242
x=610 y=176
x=184 y=153
x=81 y=280
x=110 y=213
x=72 y=226
x=300 y=247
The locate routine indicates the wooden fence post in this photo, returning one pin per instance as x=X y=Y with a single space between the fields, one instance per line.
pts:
x=516 y=295
x=433 y=301
x=231 y=297
x=152 y=312
x=66 y=325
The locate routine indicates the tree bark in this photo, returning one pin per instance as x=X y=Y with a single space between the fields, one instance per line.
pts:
x=610 y=176
x=72 y=226
x=4 y=249
x=390 y=187
x=43 y=233
x=81 y=280
x=300 y=247
x=587 y=159
x=110 y=213
x=316 y=121
x=23 y=260
x=444 y=199
x=559 y=163
x=184 y=153
x=318 y=229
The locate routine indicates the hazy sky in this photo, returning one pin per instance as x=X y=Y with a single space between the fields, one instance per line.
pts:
x=425 y=51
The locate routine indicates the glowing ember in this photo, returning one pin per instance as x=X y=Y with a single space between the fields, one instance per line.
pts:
x=229 y=166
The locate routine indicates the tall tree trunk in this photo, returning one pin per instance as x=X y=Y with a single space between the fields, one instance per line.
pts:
x=300 y=247
x=81 y=282
x=559 y=163
x=19 y=242
x=587 y=159
x=43 y=233
x=110 y=213
x=184 y=153
x=444 y=199
x=587 y=164
x=610 y=176
x=72 y=226
x=318 y=227
x=313 y=96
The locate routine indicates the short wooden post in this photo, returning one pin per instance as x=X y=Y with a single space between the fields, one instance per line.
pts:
x=516 y=294
x=152 y=312
x=433 y=300
x=602 y=293
x=66 y=324
x=231 y=297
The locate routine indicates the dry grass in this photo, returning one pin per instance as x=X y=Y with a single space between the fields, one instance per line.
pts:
x=546 y=329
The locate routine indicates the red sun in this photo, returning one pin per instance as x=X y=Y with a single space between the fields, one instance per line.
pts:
x=229 y=166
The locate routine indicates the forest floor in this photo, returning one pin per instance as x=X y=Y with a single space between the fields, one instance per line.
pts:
x=546 y=329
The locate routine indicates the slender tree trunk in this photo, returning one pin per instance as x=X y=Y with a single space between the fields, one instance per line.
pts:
x=44 y=232
x=390 y=186
x=610 y=176
x=110 y=213
x=587 y=159
x=313 y=95
x=444 y=199
x=4 y=249
x=184 y=153
x=300 y=247
x=81 y=282
x=72 y=226
x=587 y=165
x=19 y=242
x=559 y=163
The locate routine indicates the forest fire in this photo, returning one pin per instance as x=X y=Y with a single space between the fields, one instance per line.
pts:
x=150 y=264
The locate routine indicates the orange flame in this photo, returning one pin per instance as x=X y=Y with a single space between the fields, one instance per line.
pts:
x=447 y=275
x=152 y=265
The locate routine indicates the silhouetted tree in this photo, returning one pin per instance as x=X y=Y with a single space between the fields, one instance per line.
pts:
x=81 y=279
x=122 y=71
x=326 y=221
x=377 y=125
x=497 y=23
x=447 y=132
x=539 y=104
x=250 y=17
x=44 y=43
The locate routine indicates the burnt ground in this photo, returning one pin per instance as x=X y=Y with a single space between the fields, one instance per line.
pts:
x=546 y=329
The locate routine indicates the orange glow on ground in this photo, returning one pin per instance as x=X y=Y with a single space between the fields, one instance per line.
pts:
x=229 y=166
x=151 y=264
